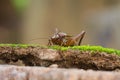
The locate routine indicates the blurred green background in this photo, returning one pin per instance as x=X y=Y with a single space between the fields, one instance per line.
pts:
x=21 y=21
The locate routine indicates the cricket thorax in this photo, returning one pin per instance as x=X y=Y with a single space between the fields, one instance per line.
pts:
x=58 y=40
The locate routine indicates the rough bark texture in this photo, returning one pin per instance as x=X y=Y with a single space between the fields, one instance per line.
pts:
x=36 y=56
x=41 y=73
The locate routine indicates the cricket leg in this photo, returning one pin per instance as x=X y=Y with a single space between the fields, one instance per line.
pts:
x=62 y=44
x=81 y=37
x=49 y=43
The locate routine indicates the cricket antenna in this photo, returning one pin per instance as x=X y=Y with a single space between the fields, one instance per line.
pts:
x=56 y=30
x=37 y=39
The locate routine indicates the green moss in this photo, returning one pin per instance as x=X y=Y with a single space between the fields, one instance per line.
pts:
x=81 y=48
x=19 y=45
x=89 y=48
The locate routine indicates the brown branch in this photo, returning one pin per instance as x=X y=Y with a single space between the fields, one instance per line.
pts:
x=36 y=56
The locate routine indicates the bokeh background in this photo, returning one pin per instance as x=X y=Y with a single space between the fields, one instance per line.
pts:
x=34 y=21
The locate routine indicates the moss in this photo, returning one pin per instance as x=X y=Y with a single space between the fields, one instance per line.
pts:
x=89 y=48
x=18 y=45
x=81 y=48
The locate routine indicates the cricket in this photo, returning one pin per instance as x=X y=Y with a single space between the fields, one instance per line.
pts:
x=63 y=39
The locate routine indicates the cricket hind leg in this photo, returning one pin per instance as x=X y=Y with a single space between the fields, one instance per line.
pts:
x=81 y=38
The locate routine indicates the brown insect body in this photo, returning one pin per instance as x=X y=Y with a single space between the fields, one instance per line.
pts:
x=62 y=39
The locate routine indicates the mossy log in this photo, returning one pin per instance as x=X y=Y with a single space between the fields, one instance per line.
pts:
x=37 y=56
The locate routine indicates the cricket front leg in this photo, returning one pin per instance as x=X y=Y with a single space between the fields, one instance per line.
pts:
x=49 y=43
